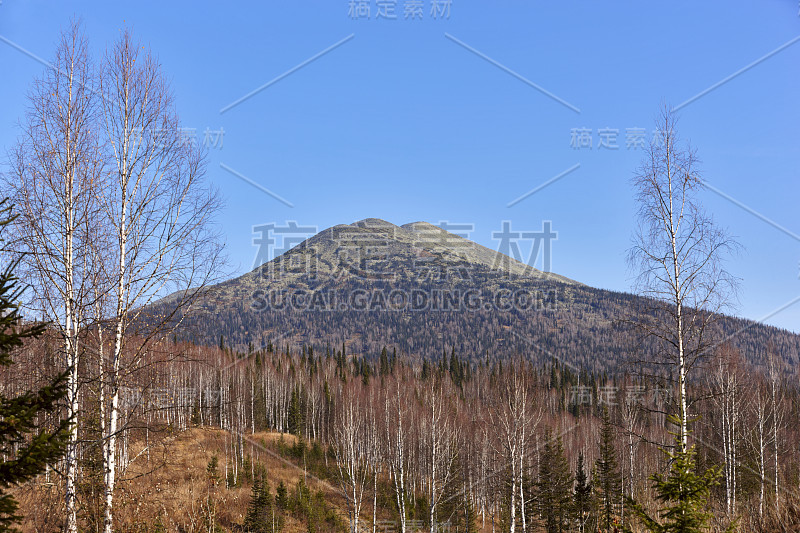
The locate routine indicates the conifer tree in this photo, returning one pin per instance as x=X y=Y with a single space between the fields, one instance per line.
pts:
x=582 y=497
x=384 y=362
x=256 y=521
x=683 y=493
x=282 y=496
x=470 y=516
x=211 y=469
x=295 y=421
x=608 y=479
x=261 y=516
x=555 y=487
x=26 y=447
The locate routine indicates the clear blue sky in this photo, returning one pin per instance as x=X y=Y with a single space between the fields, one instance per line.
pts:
x=404 y=123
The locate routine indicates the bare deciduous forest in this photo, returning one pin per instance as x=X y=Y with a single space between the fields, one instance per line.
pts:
x=389 y=432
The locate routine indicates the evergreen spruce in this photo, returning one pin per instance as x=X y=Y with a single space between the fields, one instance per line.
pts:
x=366 y=372
x=683 y=494
x=608 y=479
x=295 y=421
x=554 y=487
x=26 y=447
x=426 y=370
x=256 y=520
x=261 y=516
x=470 y=516
x=384 y=362
x=282 y=496
x=211 y=469
x=582 y=497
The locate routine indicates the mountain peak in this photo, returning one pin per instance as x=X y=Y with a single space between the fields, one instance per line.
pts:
x=398 y=250
x=371 y=223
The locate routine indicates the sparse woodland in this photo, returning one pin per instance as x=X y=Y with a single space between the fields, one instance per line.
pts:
x=472 y=446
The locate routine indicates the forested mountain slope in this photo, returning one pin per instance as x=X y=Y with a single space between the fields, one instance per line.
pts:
x=425 y=290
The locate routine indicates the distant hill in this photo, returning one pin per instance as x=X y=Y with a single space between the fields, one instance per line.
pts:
x=425 y=291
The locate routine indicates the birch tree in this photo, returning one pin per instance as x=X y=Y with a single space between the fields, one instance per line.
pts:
x=54 y=182
x=726 y=387
x=160 y=213
x=776 y=408
x=678 y=251
x=397 y=422
x=350 y=441
x=515 y=423
x=375 y=448
x=440 y=436
x=759 y=439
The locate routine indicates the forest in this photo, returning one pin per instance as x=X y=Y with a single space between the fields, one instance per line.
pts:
x=486 y=446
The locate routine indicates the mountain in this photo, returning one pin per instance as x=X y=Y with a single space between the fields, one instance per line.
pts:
x=426 y=291
x=373 y=249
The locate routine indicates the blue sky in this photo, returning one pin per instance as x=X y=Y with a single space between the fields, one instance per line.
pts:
x=449 y=119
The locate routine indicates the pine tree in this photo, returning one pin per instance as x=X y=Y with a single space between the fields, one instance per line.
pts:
x=384 y=362
x=211 y=469
x=26 y=447
x=259 y=518
x=282 y=496
x=582 y=497
x=295 y=421
x=683 y=493
x=426 y=370
x=608 y=482
x=554 y=487
x=366 y=372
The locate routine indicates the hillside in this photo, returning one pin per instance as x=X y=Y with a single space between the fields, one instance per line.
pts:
x=424 y=290
x=169 y=486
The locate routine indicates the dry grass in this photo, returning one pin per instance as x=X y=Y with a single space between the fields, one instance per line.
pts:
x=167 y=488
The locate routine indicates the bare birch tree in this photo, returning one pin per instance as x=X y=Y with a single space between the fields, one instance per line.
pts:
x=679 y=253
x=54 y=182
x=776 y=414
x=515 y=422
x=350 y=441
x=160 y=213
x=726 y=387
x=397 y=422
x=375 y=448
x=630 y=414
x=758 y=438
x=439 y=436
